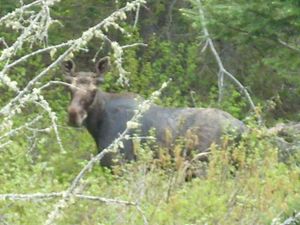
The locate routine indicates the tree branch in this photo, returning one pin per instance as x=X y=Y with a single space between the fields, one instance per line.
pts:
x=287 y=45
x=222 y=71
x=292 y=220
x=48 y=196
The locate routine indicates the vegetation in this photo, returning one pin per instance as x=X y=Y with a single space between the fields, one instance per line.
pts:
x=254 y=181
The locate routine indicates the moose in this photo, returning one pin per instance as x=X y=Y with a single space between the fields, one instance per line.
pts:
x=105 y=115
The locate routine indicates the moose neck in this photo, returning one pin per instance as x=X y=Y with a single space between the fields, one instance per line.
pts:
x=108 y=115
x=96 y=114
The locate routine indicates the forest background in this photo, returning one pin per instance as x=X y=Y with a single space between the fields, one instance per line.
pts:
x=258 y=43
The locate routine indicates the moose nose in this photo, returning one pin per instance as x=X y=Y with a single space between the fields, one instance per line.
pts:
x=76 y=116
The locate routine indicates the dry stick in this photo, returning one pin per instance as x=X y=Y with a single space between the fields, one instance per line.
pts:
x=292 y=220
x=133 y=45
x=2 y=40
x=136 y=19
x=170 y=18
x=30 y=197
x=105 y=200
x=287 y=45
x=59 y=82
x=47 y=22
x=36 y=53
x=222 y=70
x=54 y=125
x=48 y=196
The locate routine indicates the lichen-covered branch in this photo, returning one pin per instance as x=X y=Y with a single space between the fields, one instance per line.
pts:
x=48 y=196
x=31 y=93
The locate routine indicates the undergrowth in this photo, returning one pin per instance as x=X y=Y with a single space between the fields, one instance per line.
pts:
x=244 y=183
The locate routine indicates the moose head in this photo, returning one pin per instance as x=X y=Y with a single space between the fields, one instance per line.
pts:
x=83 y=88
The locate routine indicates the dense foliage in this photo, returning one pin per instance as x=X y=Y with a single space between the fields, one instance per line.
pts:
x=247 y=183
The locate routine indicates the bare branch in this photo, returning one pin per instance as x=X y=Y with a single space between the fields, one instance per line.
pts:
x=292 y=220
x=2 y=40
x=105 y=200
x=288 y=45
x=170 y=18
x=30 y=197
x=44 y=104
x=133 y=45
x=38 y=52
x=137 y=14
x=48 y=196
x=222 y=70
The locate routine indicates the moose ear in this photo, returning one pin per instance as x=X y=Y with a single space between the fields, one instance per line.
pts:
x=68 y=67
x=102 y=66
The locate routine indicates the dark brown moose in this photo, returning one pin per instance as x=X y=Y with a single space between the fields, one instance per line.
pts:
x=105 y=115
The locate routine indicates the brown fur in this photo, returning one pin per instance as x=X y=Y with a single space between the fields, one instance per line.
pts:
x=106 y=114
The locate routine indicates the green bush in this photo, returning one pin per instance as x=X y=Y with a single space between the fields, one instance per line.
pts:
x=244 y=184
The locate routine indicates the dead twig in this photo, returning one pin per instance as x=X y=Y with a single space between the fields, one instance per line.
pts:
x=222 y=71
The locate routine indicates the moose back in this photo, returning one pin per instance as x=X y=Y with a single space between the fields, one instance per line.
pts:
x=105 y=115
